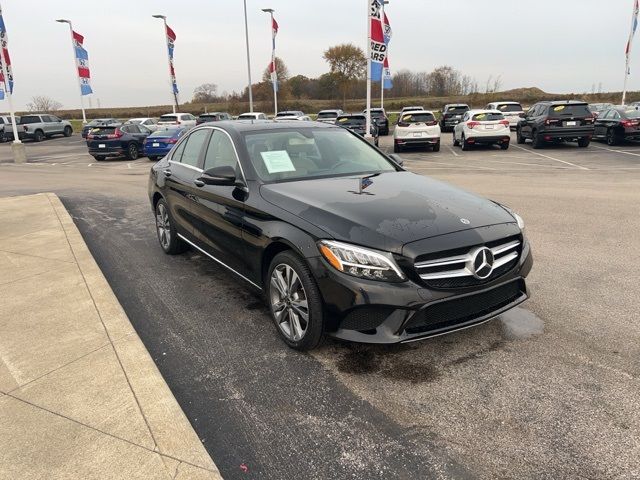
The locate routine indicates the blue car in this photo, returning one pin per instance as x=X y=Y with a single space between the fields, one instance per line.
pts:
x=159 y=143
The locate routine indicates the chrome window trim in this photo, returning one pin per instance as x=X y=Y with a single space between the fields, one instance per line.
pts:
x=186 y=165
x=220 y=262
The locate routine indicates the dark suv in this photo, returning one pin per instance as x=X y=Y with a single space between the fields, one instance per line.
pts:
x=557 y=121
x=452 y=115
x=379 y=117
x=117 y=140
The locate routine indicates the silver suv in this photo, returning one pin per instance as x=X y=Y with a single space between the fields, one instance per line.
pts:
x=41 y=126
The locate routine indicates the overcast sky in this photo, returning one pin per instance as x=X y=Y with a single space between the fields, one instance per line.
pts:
x=557 y=45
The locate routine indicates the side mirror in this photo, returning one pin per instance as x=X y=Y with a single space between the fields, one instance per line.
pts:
x=397 y=158
x=225 y=175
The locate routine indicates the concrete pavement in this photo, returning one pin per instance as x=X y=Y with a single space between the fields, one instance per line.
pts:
x=80 y=397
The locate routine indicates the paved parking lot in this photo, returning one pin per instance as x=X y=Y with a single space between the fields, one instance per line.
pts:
x=549 y=390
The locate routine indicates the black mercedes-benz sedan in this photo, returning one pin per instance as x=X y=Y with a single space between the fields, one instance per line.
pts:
x=338 y=237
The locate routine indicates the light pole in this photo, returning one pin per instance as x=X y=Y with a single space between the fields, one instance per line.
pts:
x=246 y=35
x=171 y=76
x=73 y=50
x=274 y=75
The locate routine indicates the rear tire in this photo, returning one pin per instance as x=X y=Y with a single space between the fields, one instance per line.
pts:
x=612 y=139
x=132 y=151
x=455 y=142
x=67 y=131
x=463 y=143
x=168 y=238
x=584 y=142
x=38 y=136
x=519 y=138
x=3 y=137
x=536 y=141
x=436 y=147
x=303 y=299
x=504 y=146
x=397 y=148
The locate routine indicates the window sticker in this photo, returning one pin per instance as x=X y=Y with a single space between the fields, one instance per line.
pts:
x=343 y=119
x=481 y=116
x=406 y=118
x=503 y=107
x=559 y=108
x=277 y=161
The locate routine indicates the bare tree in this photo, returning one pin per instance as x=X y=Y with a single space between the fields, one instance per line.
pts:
x=42 y=103
x=205 y=93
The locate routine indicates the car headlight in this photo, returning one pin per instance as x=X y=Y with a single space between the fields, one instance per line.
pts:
x=517 y=217
x=361 y=262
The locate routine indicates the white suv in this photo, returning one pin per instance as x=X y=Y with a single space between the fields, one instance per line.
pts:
x=169 y=120
x=416 y=128
x=482 y=127
x=512 y=111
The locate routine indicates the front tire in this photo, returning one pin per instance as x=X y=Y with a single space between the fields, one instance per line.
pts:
x=612 y=139
x=67 y=131
x=519 y=138
x=168 y=238
x=455 y=141
x=295 y=302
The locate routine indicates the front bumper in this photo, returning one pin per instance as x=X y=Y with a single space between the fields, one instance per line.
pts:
x=378 y=312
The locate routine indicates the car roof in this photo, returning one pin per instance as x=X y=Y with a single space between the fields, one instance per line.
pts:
x=251 y=113
x=136 y=118
x=564 y=102
x=483 y=110
x=352 y=115
x=506 y=102
x=177 y=113
x=210 y=113
x=240 y=126
x=456 y=105
x=421 y=111
x=330 y=110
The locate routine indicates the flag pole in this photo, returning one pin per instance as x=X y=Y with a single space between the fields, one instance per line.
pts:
x=173 y=90
x=246 y=36
x=367 y=133
x=7 y=90
x=73 y=51
x=274 y=74
x=383 y=3
x=634 y=19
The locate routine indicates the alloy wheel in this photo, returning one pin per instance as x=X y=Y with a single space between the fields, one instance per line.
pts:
x=163 y=226
x=288 y=300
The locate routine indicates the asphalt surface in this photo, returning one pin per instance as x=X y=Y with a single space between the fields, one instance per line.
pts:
x=550 y=390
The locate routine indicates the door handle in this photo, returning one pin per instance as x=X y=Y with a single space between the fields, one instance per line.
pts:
x=198 y=183
x=167 y=172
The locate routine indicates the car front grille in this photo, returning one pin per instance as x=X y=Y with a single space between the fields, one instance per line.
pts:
x=454 y=268
x=449 y=314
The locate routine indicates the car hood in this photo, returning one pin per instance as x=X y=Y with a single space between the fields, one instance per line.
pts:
x=395 y=209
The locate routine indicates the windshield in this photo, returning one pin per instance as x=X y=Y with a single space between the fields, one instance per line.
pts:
x=580 y=110
x=509 y=107
x=488 y=117
x=103 y=130
x=352 y=121
x=417 y=118
x=327 y=115
x=302 y=154
x=168 y=118
x=247 y=116
x=98 y=121
x=458 y=109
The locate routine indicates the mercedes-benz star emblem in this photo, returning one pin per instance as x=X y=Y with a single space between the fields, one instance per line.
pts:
x=483 y=263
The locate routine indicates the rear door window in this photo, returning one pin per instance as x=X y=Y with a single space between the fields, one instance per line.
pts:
x=193 y=148
x=29 y=119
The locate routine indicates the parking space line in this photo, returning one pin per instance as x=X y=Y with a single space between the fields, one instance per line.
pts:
x=616 y=151
x=527 y=164
x=551 y=158
x=454 y=152
x=465 y=166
